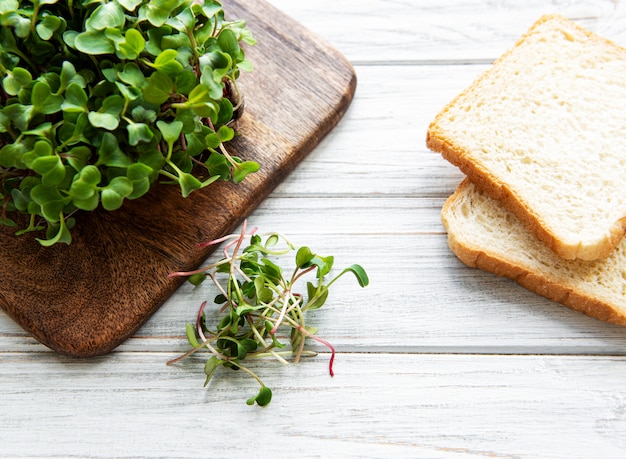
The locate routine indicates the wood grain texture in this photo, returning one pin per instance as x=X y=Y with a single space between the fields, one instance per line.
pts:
x=376 y=406
x=86 y=298
x=389 y=32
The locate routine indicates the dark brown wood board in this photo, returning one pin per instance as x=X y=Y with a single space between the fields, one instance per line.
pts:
x=86 y=298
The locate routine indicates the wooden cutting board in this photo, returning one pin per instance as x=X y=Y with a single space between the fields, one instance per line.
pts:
x=86 y=298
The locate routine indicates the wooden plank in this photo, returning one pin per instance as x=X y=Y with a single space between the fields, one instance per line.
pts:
x=376 y=405
x=384 y=32
x=87 y=298
x=379 y=148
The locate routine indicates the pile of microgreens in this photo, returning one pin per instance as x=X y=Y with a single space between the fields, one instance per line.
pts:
x=100 y=100
x=257 y=300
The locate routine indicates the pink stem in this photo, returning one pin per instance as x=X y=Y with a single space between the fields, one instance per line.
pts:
x=199 y=321
x=325 y=343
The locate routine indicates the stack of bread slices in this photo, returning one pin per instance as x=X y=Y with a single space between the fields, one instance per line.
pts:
x=541 y=137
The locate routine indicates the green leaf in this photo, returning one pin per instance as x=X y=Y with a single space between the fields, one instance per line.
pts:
x=152 y=158
x=214 y=59
x=184 y=22
x=218 y=165
x=171 y=131
x=139 y=174
x=75 y=99
x=243 y=169
x=110 y=154
x=226 y=111
x=63 y=235
x=43 y=100
x=93 y=42
x=51 y=169
x=316 y=298
x=166 y=62
x=43 y=130
x=106 y=15
x=190 y=330
x=7 y=6
x=50 y=200
x=263 y=398
x=88 y=204
x=195 y=140
x=272 y=240
x=360 y=274
x=130 y=5
x=132 y=75
x=212 y=140
x=199 y=95
x=245 y=65
x=139 y=132
x=272 y=270
x=181 y=43
x=209 y=368
x=132 y=46
x=158 y=11
x=113 y=105
x=16 y=80
x=68 y=75
x=11 y=155
x=208 y=8
x=103 y=120
x=108 y=116
x=82 y=190
x=5 y=122
x=185 y=82
x=78 y=156
x=190 y=121
x=226 y=134
x=141 y=115
x=114 y=193
x=20 y=24
x=41 y=149
x=188 y=183
x=130 y=94
x=227 y=41
x=20 y=115
x=47 y=26
x=196 y=279
x=140 y=187
x=138 y=171
x=304 y=257
x=159 y=88
x=263 y=293
x=90 y=174
x=212 y=81
x=72 y=133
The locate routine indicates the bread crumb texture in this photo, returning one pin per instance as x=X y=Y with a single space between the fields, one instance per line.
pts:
x=545 y=126
x=485 y=235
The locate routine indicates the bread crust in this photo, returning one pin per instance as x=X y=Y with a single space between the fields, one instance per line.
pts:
x=550 y=287
x=437 y=140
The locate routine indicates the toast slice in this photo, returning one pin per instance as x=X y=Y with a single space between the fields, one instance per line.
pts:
x=544 y=131
x=484 y=235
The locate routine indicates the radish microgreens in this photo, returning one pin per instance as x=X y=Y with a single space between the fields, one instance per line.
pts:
x=100 y=99
x=258 y=301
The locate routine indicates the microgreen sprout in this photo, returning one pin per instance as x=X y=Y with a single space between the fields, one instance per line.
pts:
x=257 y=300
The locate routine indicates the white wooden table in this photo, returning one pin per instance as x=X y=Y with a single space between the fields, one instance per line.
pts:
x=434 y=359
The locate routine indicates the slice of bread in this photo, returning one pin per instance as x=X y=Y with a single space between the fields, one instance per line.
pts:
x=544 y=131
x=484 y=235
